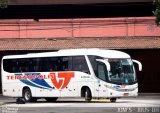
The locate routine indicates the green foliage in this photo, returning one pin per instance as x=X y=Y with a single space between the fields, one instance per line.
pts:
x=157 y=11
x=3 y=4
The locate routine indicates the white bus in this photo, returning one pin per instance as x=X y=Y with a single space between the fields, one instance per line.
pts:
x=88 y=73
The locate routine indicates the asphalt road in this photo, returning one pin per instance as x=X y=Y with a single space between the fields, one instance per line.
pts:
x=141 y=104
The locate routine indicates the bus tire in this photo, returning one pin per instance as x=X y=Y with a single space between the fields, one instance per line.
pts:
x=53 y=99
x=113 y=99
x=27 y=95
x=88 y=95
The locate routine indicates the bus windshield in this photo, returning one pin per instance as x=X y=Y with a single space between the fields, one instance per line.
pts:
x=121 y=71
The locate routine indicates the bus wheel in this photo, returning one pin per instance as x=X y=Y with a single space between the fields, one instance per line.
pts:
x=88 y=96
x=27 y=95
x=113 y=99
x=51 y=99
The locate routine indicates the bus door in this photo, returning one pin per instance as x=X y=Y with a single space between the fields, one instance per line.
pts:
x=102 y=73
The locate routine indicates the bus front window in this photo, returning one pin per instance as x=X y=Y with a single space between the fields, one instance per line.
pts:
x=121 y=71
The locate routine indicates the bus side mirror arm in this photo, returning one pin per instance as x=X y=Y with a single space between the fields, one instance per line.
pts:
x=106 y=63
x=139 y=64
x=108 y=66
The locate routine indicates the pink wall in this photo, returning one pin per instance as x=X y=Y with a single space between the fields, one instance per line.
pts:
x=94 y=27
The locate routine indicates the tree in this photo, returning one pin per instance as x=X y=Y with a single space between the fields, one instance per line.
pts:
x=157 y=11
x=3 y=4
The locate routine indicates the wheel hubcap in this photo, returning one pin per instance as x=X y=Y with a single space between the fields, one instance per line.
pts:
x=86 y=94
x=27 y=95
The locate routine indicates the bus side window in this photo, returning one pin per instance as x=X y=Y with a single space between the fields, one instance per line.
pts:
x=9 y=65
x=16 y=65
x=33 y=64
x=65 y=63
x=48 y=64
x=102 y=72
x=45 y=65
x=80 y=64
x=53 y=64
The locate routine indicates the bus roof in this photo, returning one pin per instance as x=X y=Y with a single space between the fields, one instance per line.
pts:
x=74 y=52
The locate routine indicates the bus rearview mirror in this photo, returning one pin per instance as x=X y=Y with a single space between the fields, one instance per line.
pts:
x=139 y=64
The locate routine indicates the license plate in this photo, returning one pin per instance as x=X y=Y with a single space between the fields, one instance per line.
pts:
x=125 y=94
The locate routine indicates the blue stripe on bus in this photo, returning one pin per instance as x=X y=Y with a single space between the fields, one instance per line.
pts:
x=41 y=82
x=31 y=84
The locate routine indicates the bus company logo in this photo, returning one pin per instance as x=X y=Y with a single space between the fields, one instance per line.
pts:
x=60 y=80
x=64 y=79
